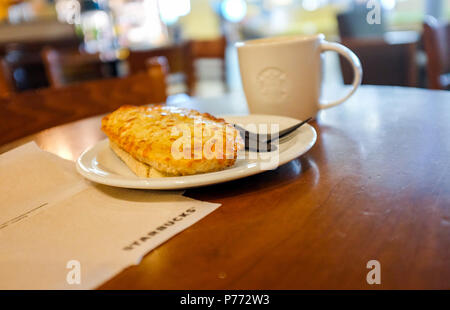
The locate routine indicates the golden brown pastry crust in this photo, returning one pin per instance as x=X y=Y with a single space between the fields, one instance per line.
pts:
x=151 y=134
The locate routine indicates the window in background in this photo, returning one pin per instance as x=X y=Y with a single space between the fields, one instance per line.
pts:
x=202 y=22
x=97 y=27
x=68 y=11
x=171 y=10
x=138 y=23
x=21 y=12
x=234 y=10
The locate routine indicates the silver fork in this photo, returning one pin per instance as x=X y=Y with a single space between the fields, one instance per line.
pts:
x=263 y=142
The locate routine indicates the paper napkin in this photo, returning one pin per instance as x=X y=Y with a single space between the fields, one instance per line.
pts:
x=60 y=231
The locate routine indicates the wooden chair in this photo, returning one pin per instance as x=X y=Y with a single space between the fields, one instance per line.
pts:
x=201 y=49
x=176 y=55
x=386 y=58
x=383 y=62
x=436 y=37
x=181 y=58
x=353 y=23
x=158 y=70
x=7 y=86
x=23 y=56
x=31 y=111
x=24 y=67
x=64 y=67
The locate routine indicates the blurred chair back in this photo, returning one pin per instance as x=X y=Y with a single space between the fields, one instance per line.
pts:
x=383 y=62
x=177 y=62
x=436 y=37
x=214 y=48
x=386 y=58
x=24 y=66
x=353 y=24
x=21 y=46
x=31 y=111
x=175 y=55
x=209 y=49
x=64 y=67
x=158 y=71
x=7 y=86
x=181 y=59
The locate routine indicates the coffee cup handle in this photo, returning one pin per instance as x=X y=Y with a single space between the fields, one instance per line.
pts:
x=357 y=71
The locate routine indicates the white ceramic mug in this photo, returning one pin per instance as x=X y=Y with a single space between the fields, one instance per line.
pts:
x=283 y=75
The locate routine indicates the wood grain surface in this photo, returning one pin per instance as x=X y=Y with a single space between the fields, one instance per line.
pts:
x=376 y=186
x=28 y=112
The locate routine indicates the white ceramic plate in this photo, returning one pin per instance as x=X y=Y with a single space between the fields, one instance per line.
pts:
x=101 y=165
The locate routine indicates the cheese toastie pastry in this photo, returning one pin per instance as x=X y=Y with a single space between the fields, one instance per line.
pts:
x=162 y=141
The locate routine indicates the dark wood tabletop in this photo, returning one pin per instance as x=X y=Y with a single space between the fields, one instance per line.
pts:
x=376 y=186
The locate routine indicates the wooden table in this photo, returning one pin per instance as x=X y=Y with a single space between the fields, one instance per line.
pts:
x=376 y=186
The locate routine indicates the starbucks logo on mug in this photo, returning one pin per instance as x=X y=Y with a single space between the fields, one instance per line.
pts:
x=272 y=84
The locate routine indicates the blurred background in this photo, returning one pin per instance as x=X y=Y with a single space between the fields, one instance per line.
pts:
x=53 y=43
